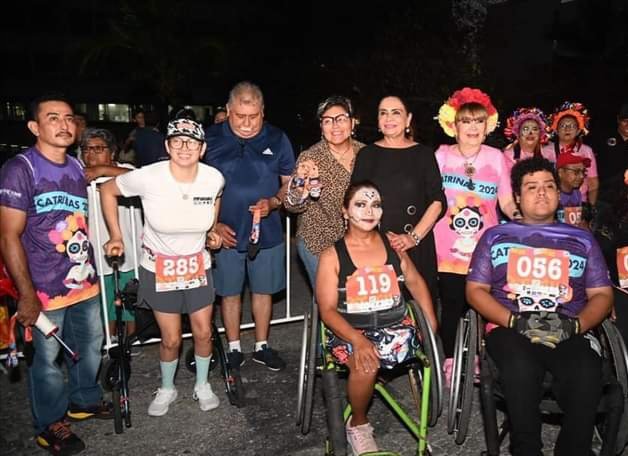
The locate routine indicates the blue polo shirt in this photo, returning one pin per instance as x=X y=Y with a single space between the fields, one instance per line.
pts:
x=252 y=169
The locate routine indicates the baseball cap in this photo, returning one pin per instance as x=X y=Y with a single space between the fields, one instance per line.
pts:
x=185 y=127
x=571 y=159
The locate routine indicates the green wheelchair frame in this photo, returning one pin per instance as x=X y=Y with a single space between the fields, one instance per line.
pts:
x=317 y=360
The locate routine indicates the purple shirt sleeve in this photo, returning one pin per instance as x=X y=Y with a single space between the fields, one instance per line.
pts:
x=16 y=190
x=596 y=271
x=481 y=267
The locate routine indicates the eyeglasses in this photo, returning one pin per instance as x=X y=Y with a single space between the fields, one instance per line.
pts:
x=340 y=120
x=577 y=171
x=527 y=129
x=568 y=126
x=190 y=144
x=96 y=149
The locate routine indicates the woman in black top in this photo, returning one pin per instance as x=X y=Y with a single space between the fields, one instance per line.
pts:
x=409 y=179
x=360 y=287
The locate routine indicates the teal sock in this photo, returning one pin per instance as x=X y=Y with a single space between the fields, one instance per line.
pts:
x=168 y=369
x=202 y=369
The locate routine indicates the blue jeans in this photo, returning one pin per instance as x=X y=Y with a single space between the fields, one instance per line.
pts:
x=80 y=327
x=310 y=261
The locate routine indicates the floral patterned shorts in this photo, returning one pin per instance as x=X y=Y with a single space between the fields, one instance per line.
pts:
x=395 y=344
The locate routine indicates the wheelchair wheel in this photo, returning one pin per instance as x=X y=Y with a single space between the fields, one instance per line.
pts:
x=461 y=388
x=334 y=398
x=431 y=348
x=235 y=390
x=307 y=369
x=109 y=375
x=117 y=411
x=190 y=362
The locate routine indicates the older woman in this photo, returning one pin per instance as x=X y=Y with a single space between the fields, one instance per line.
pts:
x=475 y=178
x=527 y=129
x=569 y=124
x=181 y=199
x=358 y=337
x=408 y=176
x=99 y=149
x=320 y=180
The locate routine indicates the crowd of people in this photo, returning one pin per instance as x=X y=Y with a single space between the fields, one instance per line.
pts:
x=526 y=236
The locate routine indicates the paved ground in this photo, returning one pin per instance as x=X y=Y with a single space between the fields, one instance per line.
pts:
x=266 y=426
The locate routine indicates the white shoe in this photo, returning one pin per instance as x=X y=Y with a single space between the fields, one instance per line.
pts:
x=163 y=399
x=206 y=398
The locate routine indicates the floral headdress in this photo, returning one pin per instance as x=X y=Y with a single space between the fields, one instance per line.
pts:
x=575 y=110
x=447 y=112
x=516 y=120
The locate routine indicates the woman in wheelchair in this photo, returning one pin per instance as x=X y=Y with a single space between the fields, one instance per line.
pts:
x=542 y=286
x=361 y=286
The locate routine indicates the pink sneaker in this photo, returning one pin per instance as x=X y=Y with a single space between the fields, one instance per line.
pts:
x=360 y=438
x=448 y=370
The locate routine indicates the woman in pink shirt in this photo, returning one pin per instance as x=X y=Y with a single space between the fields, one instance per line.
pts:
x=475 y=178
x=568 y=125
x=527 y=129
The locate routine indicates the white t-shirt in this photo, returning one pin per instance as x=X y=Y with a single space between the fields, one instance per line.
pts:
x=124 y=218
x=177 y=215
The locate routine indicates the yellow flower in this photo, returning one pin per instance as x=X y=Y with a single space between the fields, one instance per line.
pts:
x=447 y=118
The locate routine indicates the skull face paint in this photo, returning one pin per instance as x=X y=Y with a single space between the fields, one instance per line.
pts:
x=365 y=209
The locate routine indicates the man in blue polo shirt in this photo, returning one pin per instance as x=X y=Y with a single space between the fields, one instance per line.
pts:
x=256 y=160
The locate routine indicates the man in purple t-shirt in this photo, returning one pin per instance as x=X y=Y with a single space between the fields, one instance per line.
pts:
x=542 y=286
x=43 y=239
x=572 y=170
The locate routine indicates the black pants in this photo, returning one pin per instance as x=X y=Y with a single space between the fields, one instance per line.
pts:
x=577 y=385
x=453 y=306
x=621 y=311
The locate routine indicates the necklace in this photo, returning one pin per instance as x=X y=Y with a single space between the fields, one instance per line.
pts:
x=469 y=168
x=185 y=191
x=340 y=155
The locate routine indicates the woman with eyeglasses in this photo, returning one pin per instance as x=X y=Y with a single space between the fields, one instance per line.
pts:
x=526 y=128
x=475 y=178
x=181 y=199
x=319 y=182
x=568 y=125
x=408 y=176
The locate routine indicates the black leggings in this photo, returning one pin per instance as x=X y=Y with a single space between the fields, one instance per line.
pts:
x=577 y=385
x=453 y=306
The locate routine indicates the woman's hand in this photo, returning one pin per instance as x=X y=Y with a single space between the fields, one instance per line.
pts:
x=114 y=247
x=400 y=242
x=365 y=355
x=214 y=240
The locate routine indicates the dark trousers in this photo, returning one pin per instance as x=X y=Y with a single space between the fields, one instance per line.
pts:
x=621 y=311
x=453 y=306
x=577 y=385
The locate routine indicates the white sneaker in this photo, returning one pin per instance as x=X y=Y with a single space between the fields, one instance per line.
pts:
x=206 y=398
x=163 y=399
x=360 y=438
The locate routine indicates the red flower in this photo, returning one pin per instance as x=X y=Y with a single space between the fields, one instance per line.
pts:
x=469 y=95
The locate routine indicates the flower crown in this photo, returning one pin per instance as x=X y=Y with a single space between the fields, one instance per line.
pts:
x=447 y=112
x=575 y=110
x=516 y=120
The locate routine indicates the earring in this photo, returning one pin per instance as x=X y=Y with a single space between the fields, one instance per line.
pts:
x=407 y=130
x=345 y=224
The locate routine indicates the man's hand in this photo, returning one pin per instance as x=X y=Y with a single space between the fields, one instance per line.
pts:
x=28 y=309
x=264 y=206
x=525 y=321
x=365 y=355
x=227 y=234
x=114 y=247
x=547 y=328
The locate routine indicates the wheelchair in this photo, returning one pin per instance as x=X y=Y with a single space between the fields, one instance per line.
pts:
x=612 y=425
x=424 y=374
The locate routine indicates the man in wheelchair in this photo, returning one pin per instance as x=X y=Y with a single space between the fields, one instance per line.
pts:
x=542 y=286
x=360 y=287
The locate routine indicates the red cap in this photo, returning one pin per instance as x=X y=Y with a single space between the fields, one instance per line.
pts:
x=571 y=159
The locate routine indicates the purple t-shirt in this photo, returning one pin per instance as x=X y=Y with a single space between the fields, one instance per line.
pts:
x=55 y=240
x=570 y=207
x=539 y=267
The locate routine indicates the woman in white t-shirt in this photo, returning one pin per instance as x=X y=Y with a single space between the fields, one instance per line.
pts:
x=181 y=199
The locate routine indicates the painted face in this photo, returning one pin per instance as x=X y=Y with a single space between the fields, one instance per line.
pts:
x=365 y=209
x=245 y=119
x=336 y=125
x=392 y=117
x=55 y=125
x=567 y=130
x=529 y=134
x=467 y=222
x=531 y=300
x=572 y=176
x=96 y=153
x=78 y=248
x=539 y=197
x=471 y=129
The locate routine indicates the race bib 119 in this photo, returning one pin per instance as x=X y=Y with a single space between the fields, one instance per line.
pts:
x=371 y=289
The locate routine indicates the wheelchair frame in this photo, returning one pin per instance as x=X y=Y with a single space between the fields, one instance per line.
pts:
x=317 y=361
x=470 y=343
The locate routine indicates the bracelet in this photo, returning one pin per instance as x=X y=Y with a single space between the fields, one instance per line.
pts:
x=415 y=237
x=278 y=201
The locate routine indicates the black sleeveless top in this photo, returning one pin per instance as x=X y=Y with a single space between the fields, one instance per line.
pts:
x=375 y=319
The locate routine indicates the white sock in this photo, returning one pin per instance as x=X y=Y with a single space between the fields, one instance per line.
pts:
x=260 y=344
x=234 y=345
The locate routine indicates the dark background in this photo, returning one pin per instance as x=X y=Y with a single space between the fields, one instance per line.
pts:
x=522 y=52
